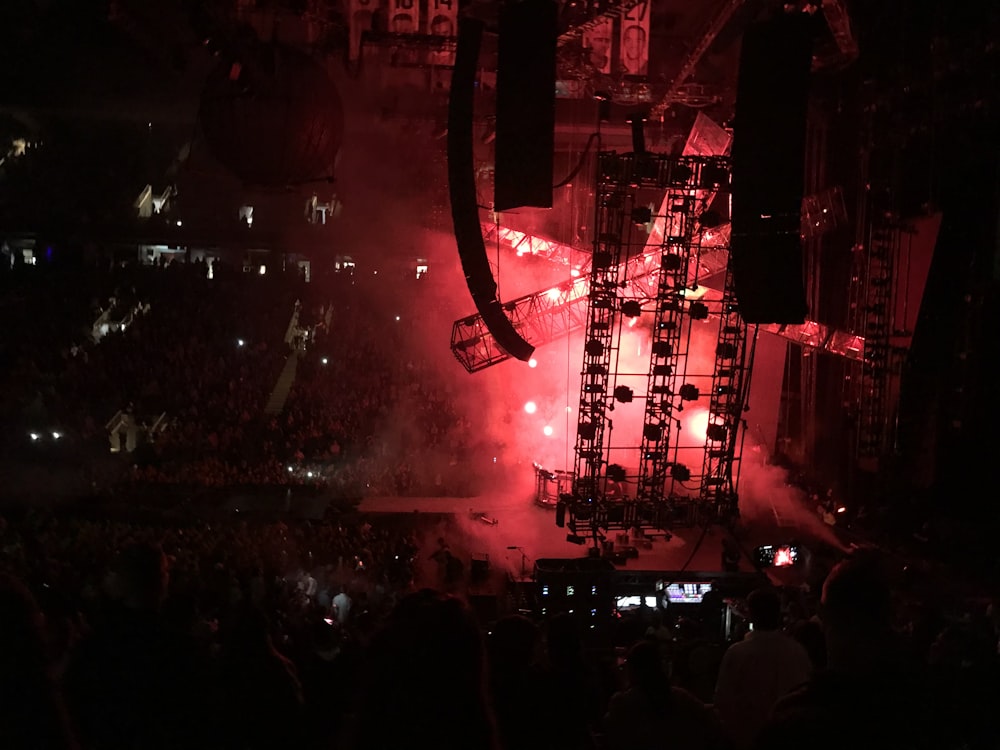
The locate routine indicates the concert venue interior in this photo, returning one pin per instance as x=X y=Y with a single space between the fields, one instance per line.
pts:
x=380 y=370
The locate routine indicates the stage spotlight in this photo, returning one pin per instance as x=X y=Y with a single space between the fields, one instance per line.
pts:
x=603 y=99
x=638 y=123
x=616 y=472
x=547 y=430
x=689 y=392
x=680 y=472
x=531 y=407
x=642 y=215
x=717 y=433
x=652 y=432
x=671 y=262
x=623 y=394
x=698 y=311
x=710 y=219
x=240 y=342
x=532 y=363
x=325 y=360
x=631 y=308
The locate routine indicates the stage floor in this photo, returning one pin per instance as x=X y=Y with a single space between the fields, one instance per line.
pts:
x=524 y=532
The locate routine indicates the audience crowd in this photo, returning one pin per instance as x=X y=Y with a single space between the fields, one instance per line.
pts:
x=126 y=635
x=364 y=414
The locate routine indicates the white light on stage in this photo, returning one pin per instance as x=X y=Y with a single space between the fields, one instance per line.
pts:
x=397 y=318
x=531 y=407
x=547 y=429
x=290 y=469
x=180 y=223
x=33 y=435
x=56 y=435
x=324 y=360
x=240 y=342
x=532 y=362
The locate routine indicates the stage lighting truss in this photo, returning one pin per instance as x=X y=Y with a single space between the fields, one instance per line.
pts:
x=615 y=202
x=874 y=300
x=669 y=347
x=720 y=471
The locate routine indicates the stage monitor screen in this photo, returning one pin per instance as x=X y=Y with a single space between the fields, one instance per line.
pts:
x=631 y=602
x=687 y=593
x=777 y=556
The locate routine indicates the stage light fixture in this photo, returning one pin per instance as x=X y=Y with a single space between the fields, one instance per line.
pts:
x=603 y=99
x=698 y=311
x=631 y=308
x=710 y=219
x=532 y=363
x=623 y=394
x=594 y=348
x=531 y=407
x=680 y=472
x=670 y=262
x=717 y=433
x=638 y=123
x=652 y=432
x=689 y=392
x=642 y=215
x=616 y=472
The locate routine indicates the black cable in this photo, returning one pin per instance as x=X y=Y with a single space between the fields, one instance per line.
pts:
x=579 y=165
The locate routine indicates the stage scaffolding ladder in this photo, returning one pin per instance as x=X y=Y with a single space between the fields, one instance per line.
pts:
x=668 y=349
x=614 y=204
x=720 y=472
x=874 y=407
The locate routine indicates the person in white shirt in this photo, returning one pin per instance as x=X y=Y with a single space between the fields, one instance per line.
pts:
x=756 y=672
x=342 y=606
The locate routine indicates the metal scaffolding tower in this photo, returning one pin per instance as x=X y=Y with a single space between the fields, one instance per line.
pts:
x=615 y=201
x=728 y=398
x=669 y=349
x=875 y=404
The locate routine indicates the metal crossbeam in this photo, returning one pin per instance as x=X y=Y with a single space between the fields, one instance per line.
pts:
x=617 y=10
x=712 y=30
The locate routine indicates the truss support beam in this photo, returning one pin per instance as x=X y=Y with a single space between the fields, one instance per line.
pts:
x=668 y=349
x=874 y=419
x=603 y=330
x=720 y=474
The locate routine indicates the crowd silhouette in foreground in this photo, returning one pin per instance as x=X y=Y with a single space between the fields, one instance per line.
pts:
x=122 y=635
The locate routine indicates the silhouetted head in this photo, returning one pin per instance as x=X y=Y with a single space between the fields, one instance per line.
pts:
x=425 y=678
x=644 y=666
x=249 y=633
x=512 y=643
x=22 y=650
x=857 y=615
x=564 y=643
x=765 y=609
x=144 y=575
x=856 y=599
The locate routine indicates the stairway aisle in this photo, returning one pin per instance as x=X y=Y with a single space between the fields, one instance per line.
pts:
x=276 y=403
